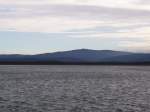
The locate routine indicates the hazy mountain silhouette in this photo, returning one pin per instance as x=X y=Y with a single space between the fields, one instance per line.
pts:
x=81 y=56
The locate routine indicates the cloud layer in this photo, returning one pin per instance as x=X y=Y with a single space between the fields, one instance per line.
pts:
x=127 y=20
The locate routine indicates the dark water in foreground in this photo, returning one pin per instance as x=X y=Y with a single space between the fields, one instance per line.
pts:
x=74 y=89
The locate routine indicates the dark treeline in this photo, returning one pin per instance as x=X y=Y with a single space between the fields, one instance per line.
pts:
x=72 y=63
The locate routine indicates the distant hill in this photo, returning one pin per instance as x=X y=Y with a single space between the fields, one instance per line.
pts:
x=79 y=56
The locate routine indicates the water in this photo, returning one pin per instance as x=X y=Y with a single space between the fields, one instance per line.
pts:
x=74 y=88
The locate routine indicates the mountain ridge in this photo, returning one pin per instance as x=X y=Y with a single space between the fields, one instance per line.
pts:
x=80 y=56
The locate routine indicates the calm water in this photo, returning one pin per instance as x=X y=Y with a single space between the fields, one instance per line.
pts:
x=74 y=88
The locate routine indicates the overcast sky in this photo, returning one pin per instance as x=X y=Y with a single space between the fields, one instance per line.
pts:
x=38 y=26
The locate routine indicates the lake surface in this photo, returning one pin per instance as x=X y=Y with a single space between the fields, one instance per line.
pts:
x=74 y=88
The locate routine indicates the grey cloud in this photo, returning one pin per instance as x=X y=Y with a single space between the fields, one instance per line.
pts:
x=109 y=28
x=76 y=12
x=143 y=2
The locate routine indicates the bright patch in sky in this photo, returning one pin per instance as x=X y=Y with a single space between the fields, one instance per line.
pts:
x=36 y=26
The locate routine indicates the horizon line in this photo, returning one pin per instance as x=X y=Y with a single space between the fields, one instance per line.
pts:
x=73 y=50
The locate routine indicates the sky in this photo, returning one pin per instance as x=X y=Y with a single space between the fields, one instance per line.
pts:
x=40 y=26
